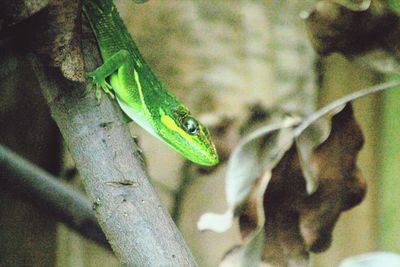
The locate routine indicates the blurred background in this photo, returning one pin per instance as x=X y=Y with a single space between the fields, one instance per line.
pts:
x=222 y=59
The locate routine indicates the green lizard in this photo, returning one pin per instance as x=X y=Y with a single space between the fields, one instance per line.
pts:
x=138 y=92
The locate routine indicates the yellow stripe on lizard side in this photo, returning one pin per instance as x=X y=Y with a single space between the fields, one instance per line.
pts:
x=139 y=85
x=136 y=75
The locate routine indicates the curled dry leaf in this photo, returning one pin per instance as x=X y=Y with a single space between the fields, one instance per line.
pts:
x=365 y=31
x=263 y=147
x=308 y=136
x=313 y=131
x=294 y=222
x=289 y=197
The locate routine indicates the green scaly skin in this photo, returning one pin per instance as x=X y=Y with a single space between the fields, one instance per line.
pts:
x=139 y=93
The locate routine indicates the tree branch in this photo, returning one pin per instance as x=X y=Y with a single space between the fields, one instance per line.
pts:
x=127 y=207
x=31 y=183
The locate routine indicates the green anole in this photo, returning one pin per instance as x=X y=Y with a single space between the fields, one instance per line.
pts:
x=140 y=95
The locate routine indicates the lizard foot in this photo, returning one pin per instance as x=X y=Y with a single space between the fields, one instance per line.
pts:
x=100 y=83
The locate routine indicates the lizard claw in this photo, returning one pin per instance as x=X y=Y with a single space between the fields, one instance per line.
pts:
x=99 y=83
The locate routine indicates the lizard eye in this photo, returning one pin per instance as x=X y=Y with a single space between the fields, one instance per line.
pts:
x=190 y=125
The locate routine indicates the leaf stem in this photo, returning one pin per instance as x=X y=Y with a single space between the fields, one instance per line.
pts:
x=343 y=100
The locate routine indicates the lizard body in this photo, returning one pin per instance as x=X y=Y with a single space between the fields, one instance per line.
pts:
x=138 y=91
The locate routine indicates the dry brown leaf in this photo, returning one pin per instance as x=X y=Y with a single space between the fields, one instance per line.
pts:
x=268 y=176
x=255 y=154
x=370 y=36
x=295 y=222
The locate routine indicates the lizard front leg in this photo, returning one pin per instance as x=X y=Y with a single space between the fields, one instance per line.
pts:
x=110 y=66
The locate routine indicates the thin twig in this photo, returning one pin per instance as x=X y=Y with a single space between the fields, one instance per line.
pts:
x=343 y=100
x=180 y=192
x=31 y=183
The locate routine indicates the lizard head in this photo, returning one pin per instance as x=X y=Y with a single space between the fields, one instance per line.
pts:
x=188 y=136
